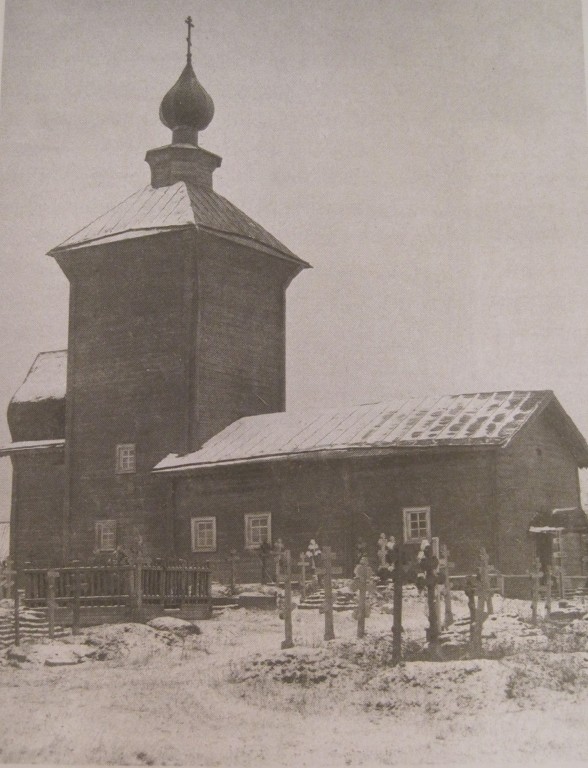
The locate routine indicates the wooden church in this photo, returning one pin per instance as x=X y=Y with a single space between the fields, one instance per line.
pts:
x=165 y=420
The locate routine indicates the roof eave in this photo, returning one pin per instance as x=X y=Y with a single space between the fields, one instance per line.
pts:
x=324 y=454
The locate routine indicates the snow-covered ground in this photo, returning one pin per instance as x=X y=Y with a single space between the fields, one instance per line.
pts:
x=229 y=696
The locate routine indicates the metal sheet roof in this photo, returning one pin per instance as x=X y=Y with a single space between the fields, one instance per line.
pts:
x=482 y=419
x=46 y=379
x=151 y=210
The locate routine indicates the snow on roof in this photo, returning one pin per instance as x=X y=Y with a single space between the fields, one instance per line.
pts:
x=30 y=445
x=151 y=211
x=482 y=419
x=46 y=379
x=4 y=541
x=544 y=529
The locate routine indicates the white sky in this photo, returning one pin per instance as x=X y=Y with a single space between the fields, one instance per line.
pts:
x=428 y=157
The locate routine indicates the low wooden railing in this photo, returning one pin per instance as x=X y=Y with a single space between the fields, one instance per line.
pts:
x=170 y=586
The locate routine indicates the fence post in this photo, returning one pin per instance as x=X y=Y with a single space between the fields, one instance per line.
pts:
x=76 y=602
x=162 y=586
x=139 y=587
x=18 y=598
x=51 y=576
x=183 y=585
x=397 y=578
x=288 y=642
x=328 y=604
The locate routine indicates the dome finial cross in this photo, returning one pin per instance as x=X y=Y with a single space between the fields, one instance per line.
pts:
x=189 y=38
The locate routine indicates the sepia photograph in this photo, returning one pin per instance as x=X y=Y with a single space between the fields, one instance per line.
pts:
x=293 y=430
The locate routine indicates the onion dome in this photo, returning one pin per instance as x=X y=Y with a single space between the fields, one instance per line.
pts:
x=186 y=108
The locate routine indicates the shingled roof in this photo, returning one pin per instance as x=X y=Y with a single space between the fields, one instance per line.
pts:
x=477 y=420
x=155 y=210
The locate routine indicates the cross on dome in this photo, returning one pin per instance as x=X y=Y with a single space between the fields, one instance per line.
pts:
x=186 y=108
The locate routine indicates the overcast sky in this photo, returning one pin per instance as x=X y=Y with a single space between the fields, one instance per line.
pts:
x=428 y=157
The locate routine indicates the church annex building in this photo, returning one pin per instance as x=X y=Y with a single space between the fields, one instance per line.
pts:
x=165 y=420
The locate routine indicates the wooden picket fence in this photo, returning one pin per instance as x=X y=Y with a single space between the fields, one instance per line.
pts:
x=82 y=595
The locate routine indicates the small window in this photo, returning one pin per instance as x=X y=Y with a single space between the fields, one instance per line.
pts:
x=125 y=458
x=417 y=523
x=106 y=535
x=203 y=534
x=258 y=530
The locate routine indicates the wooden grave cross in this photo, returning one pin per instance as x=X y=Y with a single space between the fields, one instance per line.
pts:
x=233 y=560
x=327 y=608
x=278 y=552
x=288 y=642
x=431 y=565
x=302 y=566
x=482 y=601
x=436 y=591
x=536 y=574
x=447 y=566
x=398 y=580
x=382 y=541
x=548 y=577
x=364 y=585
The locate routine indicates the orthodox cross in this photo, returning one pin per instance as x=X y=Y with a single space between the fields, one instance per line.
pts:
x=536 y=575
x=233 y=558
x=278 y=552
x=189 y=38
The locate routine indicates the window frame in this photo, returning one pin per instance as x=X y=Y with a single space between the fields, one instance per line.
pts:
x=406 y=515
x=100 y=533
x=194 y=534
x=249 y=517
x=121 y=466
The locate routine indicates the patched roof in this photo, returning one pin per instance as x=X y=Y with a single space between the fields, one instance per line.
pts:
x=483 y=419
x=46 y=379
x=181 y=205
